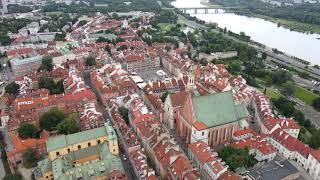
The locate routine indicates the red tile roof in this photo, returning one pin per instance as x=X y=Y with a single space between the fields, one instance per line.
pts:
x=20 y=51
x=244 y=131
x=179 y=98
x=200 y=125
x=21 y=145
x=291 y=143
x=316 y=154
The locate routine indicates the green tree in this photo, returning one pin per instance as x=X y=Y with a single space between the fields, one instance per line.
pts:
x=103 y=39
x=48 y=83
x=164 y=96
x=316 y=103
x=12 y=88
x=81 y=23
x=280 y=77
x=60 y=37
x=124 y=112
x=108 y=49
x=236 y=158
x=264 y=55
x=68 y=126
x=285 y=106
x=115 y=16
x=288 y=88
x=27 y=130
x=304 y=75
x=30 y=158
x=49 y=120
x=234 y=67
x=47 y=63
x=13 y=177
x=315 y=140
x=90 y=61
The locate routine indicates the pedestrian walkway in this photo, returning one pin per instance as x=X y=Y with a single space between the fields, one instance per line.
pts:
x=303 y=172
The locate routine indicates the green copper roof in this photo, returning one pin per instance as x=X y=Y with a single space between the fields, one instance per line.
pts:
x=218 y=109
x=63 y=166
x=65 y=140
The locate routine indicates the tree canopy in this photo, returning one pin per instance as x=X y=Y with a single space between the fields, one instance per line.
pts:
x=13 y=177
x=280 y=77
x=27 y=130
x=68 y=126
x=48 y=83
x=90 y=61
x=236 y=158
x=124 y=112
x=47 y=63
x=164 y=96
x=30 y=158
x=49 y=120
x=316 y=103
x=288 y=88
x=60 y=37
x=12 y=88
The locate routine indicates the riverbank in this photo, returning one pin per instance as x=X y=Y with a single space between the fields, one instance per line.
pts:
x=292 y=25
x=288 y=24
x=283 y=59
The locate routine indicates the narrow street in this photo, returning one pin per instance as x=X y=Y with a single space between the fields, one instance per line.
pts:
x=125 y=163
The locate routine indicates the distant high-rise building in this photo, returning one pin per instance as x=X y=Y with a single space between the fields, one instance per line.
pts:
x=3 y=6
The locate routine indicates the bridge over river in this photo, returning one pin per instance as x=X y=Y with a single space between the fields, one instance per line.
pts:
x=203 y=10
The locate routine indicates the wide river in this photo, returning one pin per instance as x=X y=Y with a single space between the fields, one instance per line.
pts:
x=302 y=45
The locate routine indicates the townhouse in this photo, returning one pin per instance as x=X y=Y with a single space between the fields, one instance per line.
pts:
x=206 y=160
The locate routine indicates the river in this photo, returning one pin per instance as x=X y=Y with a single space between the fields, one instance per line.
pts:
x=302 y=45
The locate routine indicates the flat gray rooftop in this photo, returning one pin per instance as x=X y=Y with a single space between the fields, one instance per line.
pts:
x=273 y=171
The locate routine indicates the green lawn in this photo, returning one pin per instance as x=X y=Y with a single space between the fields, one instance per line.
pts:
x=304 y=95
x=271 y=93
x=166 y=26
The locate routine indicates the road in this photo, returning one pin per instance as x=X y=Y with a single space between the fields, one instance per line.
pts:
x=125 y=164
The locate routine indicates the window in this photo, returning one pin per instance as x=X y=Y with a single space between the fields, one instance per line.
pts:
x=225 y=133
x=194 y=132
x=216 y=136
x=68 y=150
x=79 y=146
x=57 y=153
x=202 y=133
x=89 y=144
x=98 y=141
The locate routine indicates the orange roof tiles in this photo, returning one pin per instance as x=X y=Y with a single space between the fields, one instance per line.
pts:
x=20 y=51
x=245 y=131
x=21 y=145
x=200 y=125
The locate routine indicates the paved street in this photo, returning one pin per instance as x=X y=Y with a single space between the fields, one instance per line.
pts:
x=125 y=164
